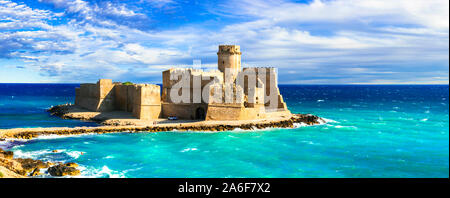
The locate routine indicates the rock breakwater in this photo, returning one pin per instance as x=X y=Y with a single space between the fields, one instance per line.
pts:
x=29 y=133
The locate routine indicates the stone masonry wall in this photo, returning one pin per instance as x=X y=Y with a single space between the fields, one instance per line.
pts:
x=147 y=101
x=96 y=97
x=143 y=100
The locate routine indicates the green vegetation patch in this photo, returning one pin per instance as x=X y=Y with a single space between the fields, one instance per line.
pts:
x=127 y=83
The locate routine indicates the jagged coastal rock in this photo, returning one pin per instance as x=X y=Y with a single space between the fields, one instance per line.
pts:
x=63 y=170
x=36 y=172
x=71 y=164
x=11 y=167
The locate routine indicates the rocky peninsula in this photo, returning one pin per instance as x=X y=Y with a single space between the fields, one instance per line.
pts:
x=126 y=123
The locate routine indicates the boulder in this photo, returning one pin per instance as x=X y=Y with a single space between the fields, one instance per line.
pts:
x=62 y=170
x=31 y=164
x=6 y=154
x=12 y=165
x=71 y=164
x=305 y=118
x=35 y=172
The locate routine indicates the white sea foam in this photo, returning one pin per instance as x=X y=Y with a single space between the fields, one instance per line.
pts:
x=31 y=154
x=191 y=131
x=298 y=125
x=340 y=126
x=188 y=149
x=111 y=173
x=16 y=140
x=40 y=137
x=320 y=100
x=238 y=129
x=52 y=136
x=309 y=142
x=74 y=154
x=322 y=121
x=424 y=120
x=100 y=172
x=329 y=120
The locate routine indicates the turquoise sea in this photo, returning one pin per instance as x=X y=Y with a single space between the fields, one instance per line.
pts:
x=373 y=131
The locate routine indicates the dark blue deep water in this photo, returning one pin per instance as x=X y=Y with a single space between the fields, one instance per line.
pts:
x=24 y=105
x=373 y=131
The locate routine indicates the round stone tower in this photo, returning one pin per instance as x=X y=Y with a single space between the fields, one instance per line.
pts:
x=229 y=56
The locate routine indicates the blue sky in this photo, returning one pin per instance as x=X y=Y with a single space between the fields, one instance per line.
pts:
x=310 y=42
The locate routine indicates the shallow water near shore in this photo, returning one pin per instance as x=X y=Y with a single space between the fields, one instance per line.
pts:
x=373 y=131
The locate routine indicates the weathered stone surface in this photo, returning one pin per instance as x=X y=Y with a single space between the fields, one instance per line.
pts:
x=307 y=119
x=254 y=100
x=30 y=164
x=71 y=164
x=6 y=154
x=22 y=167
x=229 y=57
x=35 y=172
x=277 y=118
x=121 y=96
x=58 y=110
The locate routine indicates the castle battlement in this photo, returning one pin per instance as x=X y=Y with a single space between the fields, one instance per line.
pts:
x=229 y=49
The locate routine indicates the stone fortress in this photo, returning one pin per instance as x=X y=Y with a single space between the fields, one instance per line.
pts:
x=229 y=93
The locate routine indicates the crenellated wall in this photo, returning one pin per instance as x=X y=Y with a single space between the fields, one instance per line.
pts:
x=147 y=101
x=206 y=97
x=268 y=77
